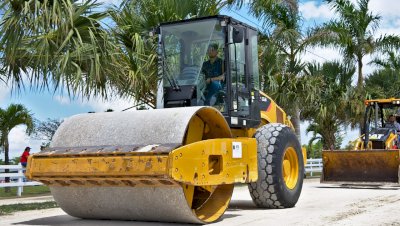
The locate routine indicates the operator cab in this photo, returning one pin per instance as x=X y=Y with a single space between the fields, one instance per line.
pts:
x=210 y=61
x=378 y=125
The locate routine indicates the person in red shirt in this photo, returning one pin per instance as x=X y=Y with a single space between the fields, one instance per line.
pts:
x=24 y=156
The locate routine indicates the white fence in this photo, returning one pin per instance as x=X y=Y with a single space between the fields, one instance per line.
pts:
x=17 y=178
x=313 y=166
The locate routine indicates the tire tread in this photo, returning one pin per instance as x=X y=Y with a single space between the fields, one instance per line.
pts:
x=268 y=184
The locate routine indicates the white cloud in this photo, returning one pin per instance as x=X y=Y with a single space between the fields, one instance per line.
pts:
x=315 y=10
x=389 y=30
x=104 y=1
x=350 y=135
x=385 y=8
x=110 y=2
x=390 y=17
x=320 y=55
x=63 y=100
x=4 y=91
x=117 y=104
x=368 y=68
x=319 y=12
x=305 y=137
x=97 y=104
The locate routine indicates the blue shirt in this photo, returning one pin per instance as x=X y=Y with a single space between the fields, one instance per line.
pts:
x=212 y=70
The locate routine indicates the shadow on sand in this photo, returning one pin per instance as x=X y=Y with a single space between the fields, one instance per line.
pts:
x=235 y=205
x=62 y=220
x=68 y=220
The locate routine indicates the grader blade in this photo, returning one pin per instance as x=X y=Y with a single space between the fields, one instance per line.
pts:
x=358 y=167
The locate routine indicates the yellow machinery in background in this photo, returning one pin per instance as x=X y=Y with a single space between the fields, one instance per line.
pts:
x=375 y=158
x=179 y=162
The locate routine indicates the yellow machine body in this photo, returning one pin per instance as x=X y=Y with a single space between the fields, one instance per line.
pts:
x=368 y=162
x=202 y=163
x=195 y=155
x=197 y=162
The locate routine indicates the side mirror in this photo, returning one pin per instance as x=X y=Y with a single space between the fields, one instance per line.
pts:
x=237 y=34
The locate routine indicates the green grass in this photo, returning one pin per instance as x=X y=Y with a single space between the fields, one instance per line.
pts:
x=29 y=191
x=8 y=209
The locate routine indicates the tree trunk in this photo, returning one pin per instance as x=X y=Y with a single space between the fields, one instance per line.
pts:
x=360 y=80
x=329 y=142
x=296 y=122
x=7 y=161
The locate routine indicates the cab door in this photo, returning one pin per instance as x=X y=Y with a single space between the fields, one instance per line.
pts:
x=243 y=65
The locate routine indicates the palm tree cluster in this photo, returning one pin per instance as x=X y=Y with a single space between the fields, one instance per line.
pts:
x=90 y=50
x=324 y=94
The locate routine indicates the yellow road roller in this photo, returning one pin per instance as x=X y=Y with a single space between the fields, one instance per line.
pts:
x=212 y=129
x=375 y=158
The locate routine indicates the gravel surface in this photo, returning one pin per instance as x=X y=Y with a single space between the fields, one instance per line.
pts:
x=319 y=204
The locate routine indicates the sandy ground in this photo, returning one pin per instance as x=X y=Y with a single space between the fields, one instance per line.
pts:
x=318 y=205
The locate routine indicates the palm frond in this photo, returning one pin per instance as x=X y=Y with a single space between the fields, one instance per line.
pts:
x=60 y=43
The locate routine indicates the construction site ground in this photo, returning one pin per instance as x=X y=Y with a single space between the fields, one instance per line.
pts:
x=319 y=204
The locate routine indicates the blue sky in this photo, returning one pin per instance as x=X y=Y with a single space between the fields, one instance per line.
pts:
x=55 y=105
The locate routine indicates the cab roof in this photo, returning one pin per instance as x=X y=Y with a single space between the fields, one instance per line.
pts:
x=394 y=101
x=219 y=17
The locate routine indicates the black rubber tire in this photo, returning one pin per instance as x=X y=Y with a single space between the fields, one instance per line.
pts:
x=270 y=190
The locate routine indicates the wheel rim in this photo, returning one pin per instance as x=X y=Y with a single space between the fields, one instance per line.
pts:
x=290 y=167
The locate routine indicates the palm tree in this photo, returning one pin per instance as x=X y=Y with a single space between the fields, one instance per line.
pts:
x=311 y=149
x=329 y=113
x=285 y=82
x=271 y=61
x=58 y=44
x=353 y=32
x=392 y=61
x=385 y=81
x=12 y=116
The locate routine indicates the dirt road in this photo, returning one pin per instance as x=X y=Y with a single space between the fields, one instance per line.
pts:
x=318 y=205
